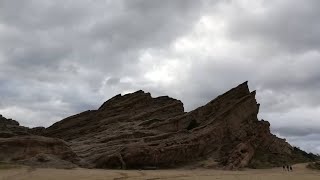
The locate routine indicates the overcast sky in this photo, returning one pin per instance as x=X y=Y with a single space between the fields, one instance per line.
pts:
x=61 y=57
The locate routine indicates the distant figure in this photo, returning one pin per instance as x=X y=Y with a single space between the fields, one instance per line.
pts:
x=283 y=167
x=291 y=168
x=288 y=167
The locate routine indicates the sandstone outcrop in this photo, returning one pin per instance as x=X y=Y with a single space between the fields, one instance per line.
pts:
x=138 y=131
x=10 y=128
x=19 y=144
x=23 y=147
x=31 y=149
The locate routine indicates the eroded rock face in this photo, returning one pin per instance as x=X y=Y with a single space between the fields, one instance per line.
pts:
x=32 y=149
x=118 y=116
x=136 y=131
x=10 y=128
x=19 y=144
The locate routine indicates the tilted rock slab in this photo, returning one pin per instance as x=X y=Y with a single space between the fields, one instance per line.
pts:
x=138 y=131
x=11 y=128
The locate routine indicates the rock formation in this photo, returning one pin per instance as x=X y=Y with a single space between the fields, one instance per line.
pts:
x=21 y=145
x=10 y=128
x=32 y=149
x=138 y=131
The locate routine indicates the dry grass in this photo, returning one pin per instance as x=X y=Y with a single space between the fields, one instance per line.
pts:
x=4 y=165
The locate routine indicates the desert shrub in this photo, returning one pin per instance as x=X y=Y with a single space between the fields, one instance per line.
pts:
x=314 y=165
x=5 y=165
x=305 y=156
x=193 y=124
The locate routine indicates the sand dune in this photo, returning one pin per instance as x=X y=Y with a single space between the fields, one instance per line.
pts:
x=300 y=172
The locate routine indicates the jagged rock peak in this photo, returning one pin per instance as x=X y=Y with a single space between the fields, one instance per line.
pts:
x=237 y=92
x=242 y=88
x=139 y=92
x=135 y=98
x=120 y=97
x=4 y=120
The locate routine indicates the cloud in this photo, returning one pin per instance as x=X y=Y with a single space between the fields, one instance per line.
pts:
x=58 y=58
x=65 y=51
x=290 y=26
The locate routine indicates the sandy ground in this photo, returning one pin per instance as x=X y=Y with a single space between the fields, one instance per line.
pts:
x=299 y=173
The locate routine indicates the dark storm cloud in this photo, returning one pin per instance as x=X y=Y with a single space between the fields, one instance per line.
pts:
x=59 y=57
x=61 y=52
x=291 y=25
x=113 y=81
x=100 y=34
x=40 y=15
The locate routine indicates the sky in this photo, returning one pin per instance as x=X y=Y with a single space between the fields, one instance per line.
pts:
x=62 y=57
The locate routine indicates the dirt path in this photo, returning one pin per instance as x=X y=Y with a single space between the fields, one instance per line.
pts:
x=300 y=172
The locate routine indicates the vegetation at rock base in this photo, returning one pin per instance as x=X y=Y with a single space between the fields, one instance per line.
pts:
x=314 y=165
x=6 y=165
x=263 y=160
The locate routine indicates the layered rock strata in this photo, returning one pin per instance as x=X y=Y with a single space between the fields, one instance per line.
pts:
x=136 y=130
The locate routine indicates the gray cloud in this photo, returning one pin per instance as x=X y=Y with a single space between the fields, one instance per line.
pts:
x=58 y=58
x=291 y=26
x=295 y=131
